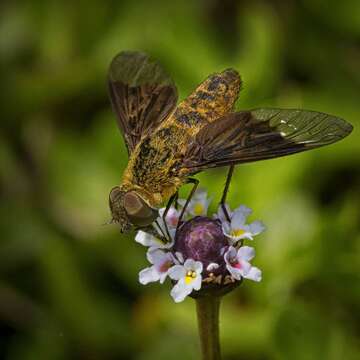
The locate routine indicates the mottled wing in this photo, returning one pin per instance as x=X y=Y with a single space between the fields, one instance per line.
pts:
x=142 y=95
x=261 y=134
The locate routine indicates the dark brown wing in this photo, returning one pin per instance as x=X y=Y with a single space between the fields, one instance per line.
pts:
x=261 y=134
x=142 y=95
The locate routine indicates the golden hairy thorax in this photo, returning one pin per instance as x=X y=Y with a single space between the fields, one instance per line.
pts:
x=155 y=167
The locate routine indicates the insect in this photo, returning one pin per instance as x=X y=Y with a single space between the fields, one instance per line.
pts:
x=168 y=143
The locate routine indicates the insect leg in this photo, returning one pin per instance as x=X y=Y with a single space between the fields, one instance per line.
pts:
x=168 y=205
x=226 y=189
x=160 y=229
x=176 y=200
x=189 y=181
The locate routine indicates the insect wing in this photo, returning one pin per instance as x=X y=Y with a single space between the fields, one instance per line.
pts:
x=261 y=134
x=141 y=93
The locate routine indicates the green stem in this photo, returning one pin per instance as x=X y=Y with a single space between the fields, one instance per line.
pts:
x=207 y=309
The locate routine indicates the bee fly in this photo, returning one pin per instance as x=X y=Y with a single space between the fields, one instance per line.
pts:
x=167 y=143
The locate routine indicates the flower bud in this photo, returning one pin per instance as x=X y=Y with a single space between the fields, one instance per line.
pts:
x=202 y=239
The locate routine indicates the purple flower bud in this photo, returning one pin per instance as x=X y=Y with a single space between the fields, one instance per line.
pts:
x=202 y=239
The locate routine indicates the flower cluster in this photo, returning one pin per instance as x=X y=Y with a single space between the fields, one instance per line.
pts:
x=201 y=251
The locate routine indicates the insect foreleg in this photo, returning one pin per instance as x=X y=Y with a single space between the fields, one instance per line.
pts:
x=188 y=181
x=226 y=189
x=161 y=230
x=176 y=200
x=168 y=205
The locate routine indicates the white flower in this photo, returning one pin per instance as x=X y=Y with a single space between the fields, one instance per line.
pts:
x=237 y=228
x=152 y=241
x=198 y=205
x=238 y=265
x=172 y=217
x=189 y=279
x=161 y=263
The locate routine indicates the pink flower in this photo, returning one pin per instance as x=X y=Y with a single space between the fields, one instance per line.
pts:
x=161 y=263
x=238 y=265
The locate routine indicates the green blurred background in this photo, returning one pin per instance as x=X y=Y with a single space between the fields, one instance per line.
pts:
x=68 y=287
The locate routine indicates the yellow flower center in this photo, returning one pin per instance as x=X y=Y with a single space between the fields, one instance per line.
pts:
x=237 y=232
x=190 y=276
x=199 y=209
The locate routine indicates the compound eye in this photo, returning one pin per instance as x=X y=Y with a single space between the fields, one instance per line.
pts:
x=139 y=212
x=133 y=204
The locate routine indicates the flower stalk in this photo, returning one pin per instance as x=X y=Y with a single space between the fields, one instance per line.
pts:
x=207 y=309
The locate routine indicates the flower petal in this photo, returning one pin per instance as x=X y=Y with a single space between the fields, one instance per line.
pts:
x=244 y=209
x=223 y=250
x=246 y=253
x=179 y=256
x=236 y=266
x=257 y=227
x=162 y=277
x=226 y=228
x=235 y=273
x=172 y=216
x=244 y=267
x=254 y=274
x=144 y=238
x=221 y=215
x=212 y=266
x=180 y=291
x=151 y=241
x=196 y=284
x=193 y=265
x=238 y=219
x=230 y=253
x=189 y=264
x=198 y=267
x=155 y=255
x=148 y=275
x=177 y=272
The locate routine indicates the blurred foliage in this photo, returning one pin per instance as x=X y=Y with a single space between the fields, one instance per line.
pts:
x=68 y=287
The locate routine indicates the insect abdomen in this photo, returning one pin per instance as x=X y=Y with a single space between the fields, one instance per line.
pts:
x=213 y=98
